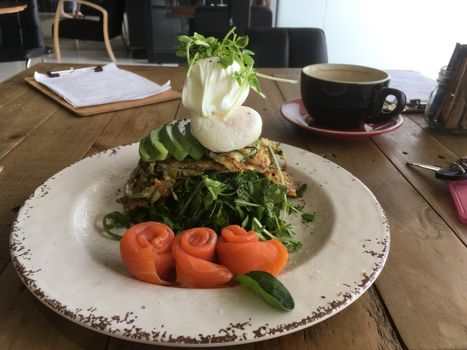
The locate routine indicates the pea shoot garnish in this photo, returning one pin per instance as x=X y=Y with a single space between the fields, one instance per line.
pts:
x=229 y=50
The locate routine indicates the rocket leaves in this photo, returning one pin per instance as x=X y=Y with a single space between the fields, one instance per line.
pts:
x=216 y=200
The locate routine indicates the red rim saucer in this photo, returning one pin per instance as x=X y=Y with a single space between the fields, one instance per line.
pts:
x=294 y=111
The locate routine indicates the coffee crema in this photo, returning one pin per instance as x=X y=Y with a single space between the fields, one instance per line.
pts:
x=344 y=73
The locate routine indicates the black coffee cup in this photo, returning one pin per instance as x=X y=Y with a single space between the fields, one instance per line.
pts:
x=343 y=96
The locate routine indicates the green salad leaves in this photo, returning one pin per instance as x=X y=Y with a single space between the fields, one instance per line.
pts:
x=221 y=199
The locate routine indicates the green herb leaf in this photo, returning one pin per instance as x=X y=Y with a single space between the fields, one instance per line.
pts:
x=308 y=217
x=184 y=39
x=269 y=288
x=113 y=221
x=214 y=200
x=214 y=187
x=231 y=49
x=242 y=41
x=301 y=190
x=292 y=245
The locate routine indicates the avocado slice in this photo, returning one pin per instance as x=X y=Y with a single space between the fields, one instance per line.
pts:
x=182 y=134
x=151 y=149
x=169 y=141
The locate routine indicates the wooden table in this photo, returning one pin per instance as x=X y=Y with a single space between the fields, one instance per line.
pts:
x=187 y=11
x=418 y=302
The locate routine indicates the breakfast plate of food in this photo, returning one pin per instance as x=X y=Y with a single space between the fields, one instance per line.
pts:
x=204 y=233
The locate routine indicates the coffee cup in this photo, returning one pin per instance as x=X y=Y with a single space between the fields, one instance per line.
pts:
x=343 y=96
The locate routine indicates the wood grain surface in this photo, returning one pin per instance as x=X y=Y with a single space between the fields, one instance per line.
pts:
x=420 y=299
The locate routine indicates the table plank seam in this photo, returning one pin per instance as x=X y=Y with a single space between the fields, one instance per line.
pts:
x=390 y=319
x=14 y=98
x=425 y=198
x=434 y=133
x=5 y=266
x=93 y=143
x=29 y=133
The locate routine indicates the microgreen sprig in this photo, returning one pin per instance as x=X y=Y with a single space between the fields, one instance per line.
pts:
x=231 y=49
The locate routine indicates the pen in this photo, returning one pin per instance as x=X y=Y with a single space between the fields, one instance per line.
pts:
x=62 y=71
x=71 y=70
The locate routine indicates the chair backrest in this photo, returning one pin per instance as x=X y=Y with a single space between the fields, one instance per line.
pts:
x=87 y=28
x=307 y=46
x=216 y=20
x=261 y=16
x=287 y=47
x=115 y=9
x=21 y=35
x=270 y=45
x=211 y=21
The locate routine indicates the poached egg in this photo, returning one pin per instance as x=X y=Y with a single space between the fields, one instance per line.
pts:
x=241 y=128
x=211 y=90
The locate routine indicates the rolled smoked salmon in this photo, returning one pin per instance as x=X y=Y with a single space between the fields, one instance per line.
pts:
x=241 y=252
x=194 y=252
x=146 y=251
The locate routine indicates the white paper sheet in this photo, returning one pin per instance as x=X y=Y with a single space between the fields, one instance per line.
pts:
x=85 y=87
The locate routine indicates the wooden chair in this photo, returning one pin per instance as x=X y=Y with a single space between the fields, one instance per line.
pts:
x=108 y=25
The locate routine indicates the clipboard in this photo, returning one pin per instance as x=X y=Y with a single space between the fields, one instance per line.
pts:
x=168 y=95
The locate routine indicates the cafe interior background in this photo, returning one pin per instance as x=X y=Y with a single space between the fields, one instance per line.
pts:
x=403 y=34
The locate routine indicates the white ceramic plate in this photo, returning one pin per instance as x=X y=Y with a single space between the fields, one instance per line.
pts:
x=60 y=255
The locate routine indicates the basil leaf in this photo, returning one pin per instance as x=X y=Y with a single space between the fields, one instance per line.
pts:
x=269 y=288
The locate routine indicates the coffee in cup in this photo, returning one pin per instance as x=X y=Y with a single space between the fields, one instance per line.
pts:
x=343 y=96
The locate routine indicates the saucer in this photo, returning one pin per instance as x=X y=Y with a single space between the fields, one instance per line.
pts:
x=294 y=111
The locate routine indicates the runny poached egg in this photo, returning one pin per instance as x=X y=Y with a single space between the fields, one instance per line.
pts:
x=240 y=128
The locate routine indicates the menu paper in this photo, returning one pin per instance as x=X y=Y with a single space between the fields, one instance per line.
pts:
x=87 y=87
x=414 y=84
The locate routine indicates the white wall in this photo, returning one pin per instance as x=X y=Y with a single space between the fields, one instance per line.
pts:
x=397 y=34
